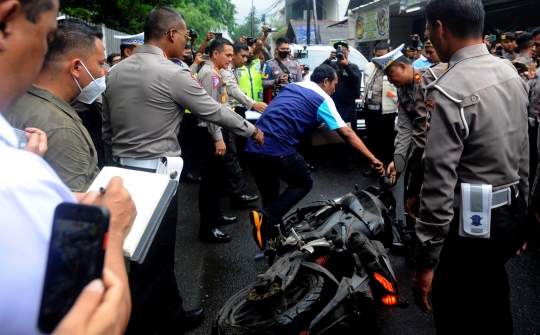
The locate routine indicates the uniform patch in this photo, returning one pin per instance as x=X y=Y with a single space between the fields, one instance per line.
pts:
x=418 y=78
x=390 y=94
x=476 y=220
x=198 y=82
x=224 y=98
x=215 y=81
x=430 y=103
x=533 y=72
x=264 y=76
x=257 y=67
x=239 y=73
x=224 y=90
x=409 y=109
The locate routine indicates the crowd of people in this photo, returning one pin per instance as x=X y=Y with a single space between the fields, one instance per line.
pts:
x=466 y=104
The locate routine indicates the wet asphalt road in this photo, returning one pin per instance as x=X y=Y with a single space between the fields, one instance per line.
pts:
x=209 y=274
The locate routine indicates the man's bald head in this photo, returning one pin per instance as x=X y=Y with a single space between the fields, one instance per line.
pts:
x=160 y=21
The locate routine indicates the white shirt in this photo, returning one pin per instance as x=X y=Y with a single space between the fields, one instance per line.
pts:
x=307 y=77
x=29 y=192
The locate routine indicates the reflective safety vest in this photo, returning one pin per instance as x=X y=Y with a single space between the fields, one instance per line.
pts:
x=250 y=80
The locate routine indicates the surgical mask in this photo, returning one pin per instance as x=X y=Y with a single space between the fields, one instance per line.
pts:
x=283 y=54
x=249 y=59
x=93 y=90
x=188 y=59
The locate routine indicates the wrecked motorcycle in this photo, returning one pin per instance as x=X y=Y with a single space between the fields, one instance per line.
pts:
x=325 y=275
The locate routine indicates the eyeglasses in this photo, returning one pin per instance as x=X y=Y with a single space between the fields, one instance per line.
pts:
x=186 y=36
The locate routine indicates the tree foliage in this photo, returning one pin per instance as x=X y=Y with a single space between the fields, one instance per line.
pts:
x=129 y=15
x=244 y=29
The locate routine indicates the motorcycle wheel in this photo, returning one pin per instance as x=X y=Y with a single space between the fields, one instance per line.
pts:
x=304 y=300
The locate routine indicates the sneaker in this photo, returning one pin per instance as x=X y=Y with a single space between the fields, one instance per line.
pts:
x=258 y=235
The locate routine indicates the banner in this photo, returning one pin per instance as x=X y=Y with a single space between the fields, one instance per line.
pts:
x=373 y=24
x=301 y=34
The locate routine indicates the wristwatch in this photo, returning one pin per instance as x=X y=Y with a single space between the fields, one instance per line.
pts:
x=427 y=263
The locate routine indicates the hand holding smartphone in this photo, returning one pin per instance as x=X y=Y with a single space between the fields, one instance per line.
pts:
x=76 y=257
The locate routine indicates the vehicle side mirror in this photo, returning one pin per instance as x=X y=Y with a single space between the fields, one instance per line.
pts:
x=399 y=162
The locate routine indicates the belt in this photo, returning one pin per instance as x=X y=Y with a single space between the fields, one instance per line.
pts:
x=374 y=107
x=150 y=164
x=499 y=198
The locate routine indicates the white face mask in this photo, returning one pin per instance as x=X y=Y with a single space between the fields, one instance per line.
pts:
x=93 y=90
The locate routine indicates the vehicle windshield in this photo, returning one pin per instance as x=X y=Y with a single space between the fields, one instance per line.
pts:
x=316 y=57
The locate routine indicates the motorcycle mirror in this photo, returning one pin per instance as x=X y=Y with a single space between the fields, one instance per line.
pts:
x=399 y=162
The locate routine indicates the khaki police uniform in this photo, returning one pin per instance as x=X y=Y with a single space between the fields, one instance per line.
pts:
x=272 y=71
x=143 y=106
x=534 y=100
x=476 y=133
x=411 y=135
x=234 y=92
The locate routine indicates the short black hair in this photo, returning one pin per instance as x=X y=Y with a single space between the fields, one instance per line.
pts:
x=161 y=20
x=464 y=18
x=72 y=35
x=217 y=45
x=323 y=72
x=187 y=46
x=33 y=8
x=535 y=32
x=382 y=46
x=282 y=40
x=525 y=41
x=401 y=59
x=123 y=47
x=239 y=46
x=111 y=56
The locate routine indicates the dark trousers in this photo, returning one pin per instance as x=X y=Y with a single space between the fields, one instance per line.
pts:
x=241 y=141
x=212 y=175
x=380 y=134
x=470 y=288
x=268 y=170
x=156 y=303
x=187 y=139
x=345 y=151
x=533 y=153
x=233 y=172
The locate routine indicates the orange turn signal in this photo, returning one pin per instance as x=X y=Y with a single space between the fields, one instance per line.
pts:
x=390 y=300
x=384 y=282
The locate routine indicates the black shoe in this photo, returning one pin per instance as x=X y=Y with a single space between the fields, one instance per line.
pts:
x=223 y=220
x=243 y=200
x=351 y=167
x=192 y=319
x=189 y=178
x=311 y=167
x=368 y=173
x=214 y=236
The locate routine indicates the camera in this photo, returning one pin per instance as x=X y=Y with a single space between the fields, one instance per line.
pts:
x=192 y=34
x=251 y=40
x=271 y=30
x=340 y=55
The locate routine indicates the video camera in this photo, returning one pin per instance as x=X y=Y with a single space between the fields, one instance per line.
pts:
x=192 y=34
x=340 y=54
x=251 y=40
x=270 y=30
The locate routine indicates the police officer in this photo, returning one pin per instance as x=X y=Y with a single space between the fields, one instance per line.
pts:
x=409 y=52
x=508 y=42
x=244 y=85
x=476 y=134
x=281 y=70
x=411 y=83
x=347 y=91
x=142 y=110
x=525 y=44
x=129 y=44
x=380 y=107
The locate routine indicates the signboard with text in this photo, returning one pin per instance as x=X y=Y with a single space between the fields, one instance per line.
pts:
x=301 y=34
x=373 y=24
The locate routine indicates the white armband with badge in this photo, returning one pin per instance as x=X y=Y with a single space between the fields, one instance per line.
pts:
x=475 y=215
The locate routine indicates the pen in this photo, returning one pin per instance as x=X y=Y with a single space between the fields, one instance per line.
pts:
x=102 y=190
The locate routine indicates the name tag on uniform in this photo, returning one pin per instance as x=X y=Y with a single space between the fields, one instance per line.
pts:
x=475 y=216
x=370 y=95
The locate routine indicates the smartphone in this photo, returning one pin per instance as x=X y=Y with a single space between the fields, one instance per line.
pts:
x=251 y=40
x=218 y=35
x=521 y=67
x=492 y=38
x=22 y=141
x=76 y=256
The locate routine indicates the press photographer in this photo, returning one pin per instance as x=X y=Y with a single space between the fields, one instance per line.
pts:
x=347 y=90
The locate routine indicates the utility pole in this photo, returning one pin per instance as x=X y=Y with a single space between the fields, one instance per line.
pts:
x=252 y=19
x=315 y=19
x=308 y=20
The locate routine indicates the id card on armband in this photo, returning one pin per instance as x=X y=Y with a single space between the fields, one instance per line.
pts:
x=370 y=95
x=475 y=213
